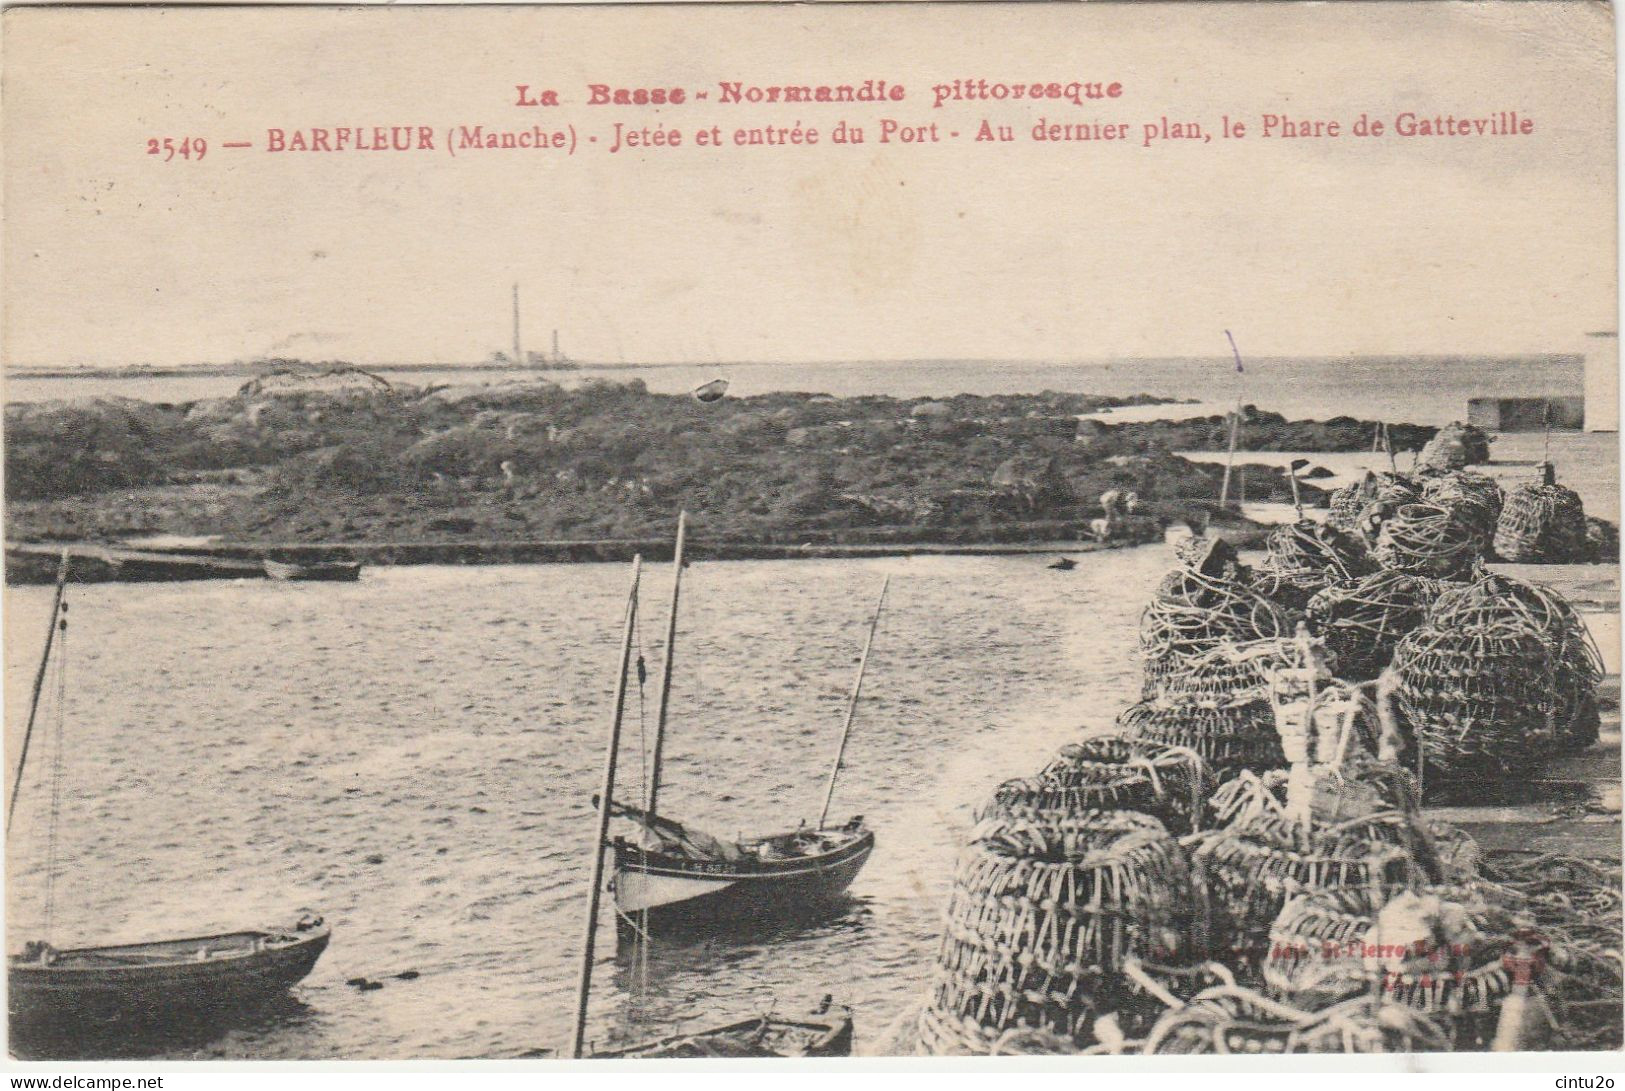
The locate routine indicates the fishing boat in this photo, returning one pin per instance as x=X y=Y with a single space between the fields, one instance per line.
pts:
x=327 y=571
x=826 y=1033
x=685 y=852
x=686 y=879
x=140 y=984
x=678 y=878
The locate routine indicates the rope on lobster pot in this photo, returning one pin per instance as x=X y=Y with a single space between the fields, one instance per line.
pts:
x=1473 y=498
x=1427 y=540
x=1362 y=620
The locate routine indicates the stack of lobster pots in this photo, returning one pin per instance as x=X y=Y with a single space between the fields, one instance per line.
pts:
x=1067 y=875
x=1244 y=866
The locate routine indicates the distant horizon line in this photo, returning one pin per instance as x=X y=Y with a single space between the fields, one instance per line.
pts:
x=45 y=371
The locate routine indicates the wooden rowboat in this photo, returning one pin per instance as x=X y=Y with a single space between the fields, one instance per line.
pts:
x=328 y=571
x=824 y=1034
x=144 y=983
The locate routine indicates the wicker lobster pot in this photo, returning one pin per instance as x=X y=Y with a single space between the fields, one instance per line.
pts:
x=1477 y=698
x=1194 y=612
x=1110 y=773
x=1390 y=493
x=1250 y=869
x=1442 y=952
x=1576 y=662
x=1040 y=920
x=1363 y=619
x=1543 y=524
x=1227 y=674
x=1474 y=499
x=1347 y=506
x=1306 y=557
x=1228 y=737
x=1239 y=1021
x=1427 y=540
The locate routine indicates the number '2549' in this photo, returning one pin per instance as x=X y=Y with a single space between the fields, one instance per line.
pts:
x=189 y=147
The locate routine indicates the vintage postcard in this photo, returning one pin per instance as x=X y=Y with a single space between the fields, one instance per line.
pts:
x=765 y=530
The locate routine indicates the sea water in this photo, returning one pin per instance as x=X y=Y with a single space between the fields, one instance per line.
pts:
x=414 y=756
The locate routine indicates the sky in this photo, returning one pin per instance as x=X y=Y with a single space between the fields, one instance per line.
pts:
x=953 y=249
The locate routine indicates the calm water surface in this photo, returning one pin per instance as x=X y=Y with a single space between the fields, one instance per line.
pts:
x=414 y=756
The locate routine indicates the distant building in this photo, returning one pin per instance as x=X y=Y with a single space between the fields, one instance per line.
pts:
x=1602 y=382
x=1527 y=414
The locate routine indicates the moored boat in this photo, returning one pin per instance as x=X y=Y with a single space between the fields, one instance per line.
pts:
x=55 y=992
x=677 y=877
x=141 y=983
x=825 y=1033
x=684 y=879
x=326 y=571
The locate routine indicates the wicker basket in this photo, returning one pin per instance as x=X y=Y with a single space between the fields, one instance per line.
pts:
x=1541 y=524
x=1250 y=869
x=1427 y=540
x=1576 y=661
x=1362 y=620
x=1477 y=698
x=1110 y=773
x=1228 y=737
x=1474 y=499
x=1041 y=917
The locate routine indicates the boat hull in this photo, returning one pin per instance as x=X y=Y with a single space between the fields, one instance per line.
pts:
x=68 y=995
x=823 y=1035
x=323 y=571
x=665 y=894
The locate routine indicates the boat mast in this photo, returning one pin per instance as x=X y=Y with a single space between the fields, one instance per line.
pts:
x=601 y=830
x=1235 y=424
x=852 y=704
x=518 y=357
x=39 y=683
x=665 y=668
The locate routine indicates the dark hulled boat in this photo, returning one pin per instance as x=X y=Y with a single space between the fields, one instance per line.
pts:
x=684 y=879
x=142 y=983
x=53 y=992
x=677 y=877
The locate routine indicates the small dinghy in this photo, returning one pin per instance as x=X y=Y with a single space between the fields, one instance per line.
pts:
x=1065 y=564
x=712 y=391
x=825 y=1033
x=53 y=991
x=326 y=571
x=144 y=982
